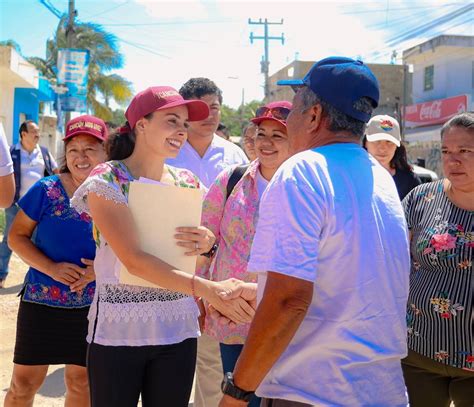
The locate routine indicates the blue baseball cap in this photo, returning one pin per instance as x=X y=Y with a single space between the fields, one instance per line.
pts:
x=340 y=82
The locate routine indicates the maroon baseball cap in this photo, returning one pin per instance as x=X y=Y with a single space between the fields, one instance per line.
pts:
x=163 y=97
x=86 y=124
x=277 y=111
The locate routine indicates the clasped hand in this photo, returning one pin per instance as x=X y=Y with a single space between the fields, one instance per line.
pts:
x=234 y=302
x=72 y=275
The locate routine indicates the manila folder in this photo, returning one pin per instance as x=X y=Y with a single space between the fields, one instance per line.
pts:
x=157 y=211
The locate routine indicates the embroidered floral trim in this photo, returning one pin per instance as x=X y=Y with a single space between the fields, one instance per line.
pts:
x=58 y=297
x=120 y=302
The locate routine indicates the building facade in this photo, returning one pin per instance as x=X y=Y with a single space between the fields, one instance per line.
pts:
x=21 y=92
x=394 y=81
x=443 y=85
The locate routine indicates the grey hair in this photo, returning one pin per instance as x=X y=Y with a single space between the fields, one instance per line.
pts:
x=464 y=120
x=338 y=121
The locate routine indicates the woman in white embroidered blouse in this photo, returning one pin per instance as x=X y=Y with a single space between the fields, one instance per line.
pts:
x=143 y=340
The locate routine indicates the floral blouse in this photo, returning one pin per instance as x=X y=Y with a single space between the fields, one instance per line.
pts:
x=233 y=221
x=127 y=315
x=63 y=235
x=440 y=311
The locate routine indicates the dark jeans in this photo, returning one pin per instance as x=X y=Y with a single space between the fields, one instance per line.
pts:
x=229 y=356
x=433 y=384
x=5 y=252
x=162 y=374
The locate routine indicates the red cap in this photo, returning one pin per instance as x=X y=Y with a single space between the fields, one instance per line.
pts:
x=86 y=124
x=163 y=97
x=269 y=115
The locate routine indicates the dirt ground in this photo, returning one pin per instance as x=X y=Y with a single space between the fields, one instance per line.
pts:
x=52 y=392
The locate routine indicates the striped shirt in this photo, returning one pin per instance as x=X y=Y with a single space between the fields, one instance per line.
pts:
x=440 y=304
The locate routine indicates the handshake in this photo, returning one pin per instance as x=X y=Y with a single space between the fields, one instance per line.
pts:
x=231 y=302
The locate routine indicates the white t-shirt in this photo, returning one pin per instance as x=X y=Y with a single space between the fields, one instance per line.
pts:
x=220 y=155
x=332 y=216
x=6 y=164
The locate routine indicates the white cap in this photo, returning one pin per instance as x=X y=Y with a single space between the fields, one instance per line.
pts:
x=383 y=127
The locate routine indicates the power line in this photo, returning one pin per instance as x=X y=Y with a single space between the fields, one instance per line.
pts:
x=171 y=23
x=51 y=8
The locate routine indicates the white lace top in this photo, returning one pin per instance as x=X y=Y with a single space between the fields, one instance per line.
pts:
x=125 y=315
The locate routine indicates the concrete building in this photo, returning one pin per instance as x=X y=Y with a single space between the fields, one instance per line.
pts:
x=21 y=91
x=443 y=85
x=390 y=77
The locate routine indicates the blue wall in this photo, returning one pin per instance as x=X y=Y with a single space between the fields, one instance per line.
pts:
x=26 y=101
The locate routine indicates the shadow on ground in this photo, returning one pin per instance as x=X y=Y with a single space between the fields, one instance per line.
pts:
x=11 y=290
x=53 y=386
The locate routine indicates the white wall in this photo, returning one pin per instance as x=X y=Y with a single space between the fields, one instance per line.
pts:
x=7 y=92
x=452 y=74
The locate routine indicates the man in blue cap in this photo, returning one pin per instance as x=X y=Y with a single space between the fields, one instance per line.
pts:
x=331 y=250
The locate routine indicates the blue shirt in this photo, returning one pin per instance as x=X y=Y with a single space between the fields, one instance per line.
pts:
x=220 y=155
x=63 y=235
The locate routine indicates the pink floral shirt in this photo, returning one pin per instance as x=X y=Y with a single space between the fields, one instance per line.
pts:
x=233 y=222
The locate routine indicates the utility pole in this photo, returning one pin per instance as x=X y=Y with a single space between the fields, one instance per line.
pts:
x=70 y=33
x=265 y=63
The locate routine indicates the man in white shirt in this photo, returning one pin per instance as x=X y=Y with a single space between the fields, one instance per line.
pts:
x=31 y=162
x=331 y=250
x=206 y=155
x=7 y=181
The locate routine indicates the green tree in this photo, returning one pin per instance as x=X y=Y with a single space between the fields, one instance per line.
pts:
x=104 y=57
x=237 y=119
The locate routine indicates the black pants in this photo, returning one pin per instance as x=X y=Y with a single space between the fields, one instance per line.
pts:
x=163 y=374
x=433 y=384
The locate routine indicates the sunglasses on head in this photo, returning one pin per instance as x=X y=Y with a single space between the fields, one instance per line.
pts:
x=279 y=113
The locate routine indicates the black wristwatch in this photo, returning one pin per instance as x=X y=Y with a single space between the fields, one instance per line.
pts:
x=228 y=387
x=211 y=252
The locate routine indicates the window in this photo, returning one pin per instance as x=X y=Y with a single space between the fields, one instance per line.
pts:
x=429 y=78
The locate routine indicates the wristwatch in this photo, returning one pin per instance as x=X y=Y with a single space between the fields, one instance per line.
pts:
x=211 y=252
x=228 y=387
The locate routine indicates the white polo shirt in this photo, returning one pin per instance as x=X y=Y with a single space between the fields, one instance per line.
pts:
x=220 y=155
x=6 y=164
x=32 y=167
x=332 y=216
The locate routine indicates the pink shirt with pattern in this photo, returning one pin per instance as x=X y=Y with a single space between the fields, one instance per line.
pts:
x=233 y=221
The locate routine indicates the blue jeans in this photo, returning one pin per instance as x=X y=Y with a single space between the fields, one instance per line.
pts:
x=5 y=252
x=229 y=356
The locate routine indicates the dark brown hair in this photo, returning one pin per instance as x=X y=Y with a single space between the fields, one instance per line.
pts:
x=120 y=144
x=399 y=160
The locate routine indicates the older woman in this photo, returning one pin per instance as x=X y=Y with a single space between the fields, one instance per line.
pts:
x=248 y=141
x=439 y=368
x=383 y=141
x=59 y=285
x=231 y=212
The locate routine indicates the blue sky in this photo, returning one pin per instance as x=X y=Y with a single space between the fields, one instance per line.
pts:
x=167 y=42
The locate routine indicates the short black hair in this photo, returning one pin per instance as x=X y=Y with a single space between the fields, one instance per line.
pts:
x=196 y=88
x=24 y=126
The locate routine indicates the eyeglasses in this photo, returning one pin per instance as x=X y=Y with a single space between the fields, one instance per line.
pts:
x=279 y=113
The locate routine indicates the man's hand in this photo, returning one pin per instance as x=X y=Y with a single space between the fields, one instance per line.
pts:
x=228 y=298
x=87 y=278
x=228 y=401
x=245 y=291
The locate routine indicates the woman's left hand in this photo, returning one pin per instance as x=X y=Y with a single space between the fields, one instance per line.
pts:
x=198 y=240
x=87 y=278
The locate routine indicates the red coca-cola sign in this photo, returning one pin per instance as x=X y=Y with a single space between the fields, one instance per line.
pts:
x=435 y=111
